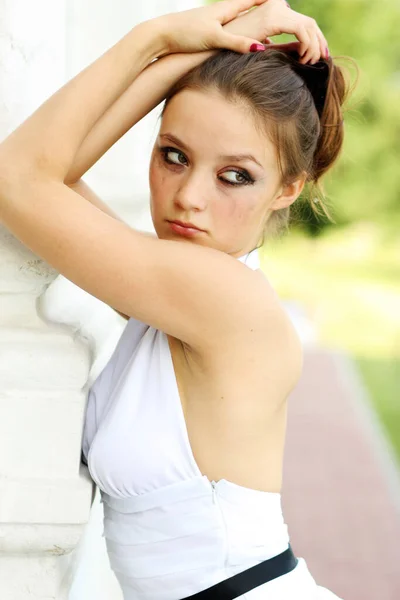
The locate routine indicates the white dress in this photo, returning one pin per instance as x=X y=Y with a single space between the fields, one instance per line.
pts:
x=170 y=532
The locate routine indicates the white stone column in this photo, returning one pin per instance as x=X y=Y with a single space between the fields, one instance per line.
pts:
x=45 y=495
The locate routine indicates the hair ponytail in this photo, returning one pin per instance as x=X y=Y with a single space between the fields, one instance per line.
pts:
x=331 y=137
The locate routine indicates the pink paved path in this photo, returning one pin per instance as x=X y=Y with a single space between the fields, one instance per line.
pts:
x=339 y=494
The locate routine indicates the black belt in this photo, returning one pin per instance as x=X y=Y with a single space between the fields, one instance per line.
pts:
x=243 y=582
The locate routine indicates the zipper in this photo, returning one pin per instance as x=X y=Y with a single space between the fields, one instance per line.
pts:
x=222 y=520
x=213 y=492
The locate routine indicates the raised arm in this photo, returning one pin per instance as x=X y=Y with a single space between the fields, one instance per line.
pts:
x=151 y=87
x=145 y=93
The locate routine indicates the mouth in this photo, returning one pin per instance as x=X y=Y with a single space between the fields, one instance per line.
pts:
x=186 y=229
x=187 y=225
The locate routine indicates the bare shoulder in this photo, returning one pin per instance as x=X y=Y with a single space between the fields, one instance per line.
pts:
x=283 y=338
x=264 y=348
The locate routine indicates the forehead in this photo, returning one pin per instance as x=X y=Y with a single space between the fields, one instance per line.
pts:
x=206 y=121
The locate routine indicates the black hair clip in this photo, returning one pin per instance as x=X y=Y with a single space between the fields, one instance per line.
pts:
x=316 y=78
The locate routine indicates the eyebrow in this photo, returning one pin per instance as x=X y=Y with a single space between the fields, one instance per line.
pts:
x=234 y=157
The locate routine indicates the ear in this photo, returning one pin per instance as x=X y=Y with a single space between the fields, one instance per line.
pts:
x=288 y=193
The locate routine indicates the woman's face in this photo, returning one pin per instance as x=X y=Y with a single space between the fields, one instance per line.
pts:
x=198 y=176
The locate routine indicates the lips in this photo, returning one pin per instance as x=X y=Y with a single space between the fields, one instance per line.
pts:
x=187 y=225
x=184 y=230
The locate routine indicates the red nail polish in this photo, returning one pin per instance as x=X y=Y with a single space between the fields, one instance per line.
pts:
x=327 y=55
x=257 y=47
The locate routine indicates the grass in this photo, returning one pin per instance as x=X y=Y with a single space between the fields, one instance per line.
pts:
x=349 y=283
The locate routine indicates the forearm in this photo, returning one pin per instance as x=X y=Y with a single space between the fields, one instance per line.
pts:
x=47 y=142
x=82 y=188
x=147 y=91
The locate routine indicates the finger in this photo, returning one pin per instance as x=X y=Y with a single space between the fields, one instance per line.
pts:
x=312 y=52
x=320 y=48
x=296 y=25
x=237 y=43
x=323 y=44
x=307 y=56
x=227 y=10
x=303 y=36
x=316 y=49
x=312 y=55
x=322 y=40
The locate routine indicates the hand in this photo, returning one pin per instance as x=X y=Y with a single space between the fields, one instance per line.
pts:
x=202 y=28
x=233 y=25
x=275 y=17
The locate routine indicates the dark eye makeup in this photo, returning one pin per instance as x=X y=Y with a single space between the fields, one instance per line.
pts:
x=247 y=179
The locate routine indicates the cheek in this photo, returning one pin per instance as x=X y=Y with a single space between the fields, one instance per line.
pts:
x=158 y=182
x=155 y=176
x=239 y=207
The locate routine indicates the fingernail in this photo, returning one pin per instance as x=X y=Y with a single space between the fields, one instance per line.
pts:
x=327 y=55
x=257 y=47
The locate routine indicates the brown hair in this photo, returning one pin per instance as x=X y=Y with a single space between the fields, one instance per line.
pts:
x=297 y=106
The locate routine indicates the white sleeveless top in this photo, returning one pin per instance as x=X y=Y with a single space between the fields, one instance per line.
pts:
x=170 y=531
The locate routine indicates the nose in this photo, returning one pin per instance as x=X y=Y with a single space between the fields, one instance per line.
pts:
x=191 y=194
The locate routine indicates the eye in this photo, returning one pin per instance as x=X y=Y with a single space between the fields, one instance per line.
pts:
x=170 y=151
x=244 y=178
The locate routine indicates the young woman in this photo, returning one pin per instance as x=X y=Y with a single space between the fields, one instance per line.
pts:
x=184 y=429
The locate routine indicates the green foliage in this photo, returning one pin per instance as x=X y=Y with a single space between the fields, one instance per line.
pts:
x=364 y=185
